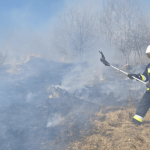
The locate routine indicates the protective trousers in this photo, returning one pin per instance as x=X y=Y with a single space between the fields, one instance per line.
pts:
x=142 y=109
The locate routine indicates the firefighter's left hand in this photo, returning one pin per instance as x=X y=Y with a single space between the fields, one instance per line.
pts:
x=134 y=75
x=148 y=85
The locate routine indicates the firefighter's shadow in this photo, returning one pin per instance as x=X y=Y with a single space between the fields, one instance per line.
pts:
x=146 y=122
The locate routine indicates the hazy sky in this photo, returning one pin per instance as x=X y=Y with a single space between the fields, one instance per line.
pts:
x=25 y=24
x=27 y=13
x=34 y=13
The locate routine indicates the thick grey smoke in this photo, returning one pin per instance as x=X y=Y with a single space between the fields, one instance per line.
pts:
x=45 y=100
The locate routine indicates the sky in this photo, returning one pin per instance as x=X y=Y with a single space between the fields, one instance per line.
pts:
x=25 y=25
x=27 y=13
x=31 y=13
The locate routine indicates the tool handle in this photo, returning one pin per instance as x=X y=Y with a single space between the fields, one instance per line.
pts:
x=127 y=74
x=107 y=64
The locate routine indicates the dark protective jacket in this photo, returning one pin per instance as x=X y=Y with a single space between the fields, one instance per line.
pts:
x=146 y=75
x=144 y=104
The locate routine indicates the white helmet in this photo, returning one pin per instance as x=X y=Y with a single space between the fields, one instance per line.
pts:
x=148 y=49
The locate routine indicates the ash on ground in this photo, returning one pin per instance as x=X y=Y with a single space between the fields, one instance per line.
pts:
x=47 y=105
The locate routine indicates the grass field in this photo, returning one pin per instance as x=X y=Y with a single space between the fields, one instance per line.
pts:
x=115 y=131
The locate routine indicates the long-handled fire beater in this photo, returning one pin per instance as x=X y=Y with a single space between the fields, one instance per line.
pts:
x=108 y=64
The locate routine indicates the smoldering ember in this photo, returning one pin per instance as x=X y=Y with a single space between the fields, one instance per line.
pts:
x=44 y=107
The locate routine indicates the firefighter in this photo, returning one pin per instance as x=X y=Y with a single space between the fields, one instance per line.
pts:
x=145 y=101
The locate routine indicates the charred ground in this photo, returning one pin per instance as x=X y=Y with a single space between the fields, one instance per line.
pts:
x=38 y=113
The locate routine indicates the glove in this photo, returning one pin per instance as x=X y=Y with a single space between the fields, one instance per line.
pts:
x=148 y=85
x=135 y=75
x=104 y=62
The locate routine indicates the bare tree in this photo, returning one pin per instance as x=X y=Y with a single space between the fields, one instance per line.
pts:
x=122 y=25
x=106 y=21
x=139 y=37
x=75 y=33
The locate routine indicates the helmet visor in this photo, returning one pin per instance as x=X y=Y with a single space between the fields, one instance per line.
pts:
x=148 y=55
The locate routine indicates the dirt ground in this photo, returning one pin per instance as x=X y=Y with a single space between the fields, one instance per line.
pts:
x=115 y=131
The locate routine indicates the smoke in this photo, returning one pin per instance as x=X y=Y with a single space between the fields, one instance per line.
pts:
x=30 y=96
x=53 y=121
x=51 y=101
x=24 y=37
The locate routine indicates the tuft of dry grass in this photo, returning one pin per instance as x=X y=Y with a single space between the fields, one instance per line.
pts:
x=115 y=131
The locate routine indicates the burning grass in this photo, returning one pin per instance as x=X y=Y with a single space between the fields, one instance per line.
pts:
x=115 y=131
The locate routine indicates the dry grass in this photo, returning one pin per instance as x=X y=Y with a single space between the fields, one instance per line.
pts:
x=115 y=131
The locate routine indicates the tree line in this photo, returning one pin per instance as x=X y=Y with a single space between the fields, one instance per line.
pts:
x=122 y=24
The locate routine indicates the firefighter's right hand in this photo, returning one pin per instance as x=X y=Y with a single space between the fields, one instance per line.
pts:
x=131 y=76
x=104 y=62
